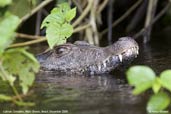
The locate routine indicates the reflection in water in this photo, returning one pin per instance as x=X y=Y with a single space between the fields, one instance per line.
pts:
x=105 y=94
x=102 y=94
x=156 y=55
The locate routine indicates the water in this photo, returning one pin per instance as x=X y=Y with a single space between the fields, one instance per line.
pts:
x=103 y=94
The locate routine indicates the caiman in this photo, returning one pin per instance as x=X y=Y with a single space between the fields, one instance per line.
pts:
x=84 y=58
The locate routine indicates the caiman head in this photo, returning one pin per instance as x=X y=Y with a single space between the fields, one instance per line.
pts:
x=82 y=57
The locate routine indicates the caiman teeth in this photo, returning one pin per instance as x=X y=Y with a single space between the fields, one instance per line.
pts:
x=137 y=52
x=104 y=64
x=99 y=67
x=120 y=58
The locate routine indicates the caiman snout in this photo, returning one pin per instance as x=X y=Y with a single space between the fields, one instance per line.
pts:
x=43 y=56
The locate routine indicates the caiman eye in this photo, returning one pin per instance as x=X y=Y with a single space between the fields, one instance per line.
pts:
x=60 y=50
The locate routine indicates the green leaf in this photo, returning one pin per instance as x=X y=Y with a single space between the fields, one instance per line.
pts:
x=58 y=27
x=70 y=14
x=57 y=35
x=141 y=77
x=8 y=25
x=5 y=2
x=64 y=7
x=20 y=63
x=29 y=55
x=6 y=76
x=52 y=34
x=5 y=98
x=57 y=15
x=156 y=85
x=22 y=7
x=165 y=77
x=158 y=102
x=11 y=79
x=66 y=30
x=56 y=19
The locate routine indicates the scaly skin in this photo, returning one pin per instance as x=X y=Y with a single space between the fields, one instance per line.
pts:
x=84 y=58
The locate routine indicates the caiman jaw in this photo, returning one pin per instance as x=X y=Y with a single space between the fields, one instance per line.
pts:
x=120 y=58
x=113 y=61
x=129 y=52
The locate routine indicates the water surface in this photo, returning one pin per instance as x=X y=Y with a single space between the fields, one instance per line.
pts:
x=102 y=94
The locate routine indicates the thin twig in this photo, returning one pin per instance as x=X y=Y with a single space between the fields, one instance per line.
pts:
x=129 y=11
x=23 y=95
x=4 y=73
x=110 y=19
x=44 y=3
x=159 y=15
x=81 y=28
x=27 y=43
x=38 y=22
x=152 y=4
x=102 y=6
x=26 y=36
x=84 y=13
x=78 y=5
x=39 y=39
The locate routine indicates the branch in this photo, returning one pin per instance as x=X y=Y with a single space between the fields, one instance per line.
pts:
x=77 y=5
x=38 y=39
x=80 y=28
x=159 y=15
x=5 y=75
x=26 y=36
x=151 y=9
x=102 y=6
x=44 y=3
x=84 y=13
x=28 y=43
x=129 y=11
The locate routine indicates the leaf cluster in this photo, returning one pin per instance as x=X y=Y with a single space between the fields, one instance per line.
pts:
x=24 y=66
x=144 y=78
x=15 y=63
x=3 y=3
x=57 y=23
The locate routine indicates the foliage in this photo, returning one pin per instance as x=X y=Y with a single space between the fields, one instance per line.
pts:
x=143 y=78
x=10 y=22
x=15 y=63
x=17 y=66
x=57 y=23
x=22 y=7
x=158 y=102
x=141 y=81
x=24 y=66
x=5 y=2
